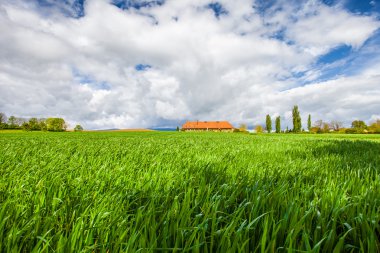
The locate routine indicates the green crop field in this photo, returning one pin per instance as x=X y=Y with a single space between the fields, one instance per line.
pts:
x=189 y=192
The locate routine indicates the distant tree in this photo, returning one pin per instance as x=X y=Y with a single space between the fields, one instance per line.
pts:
x=12 y=122
x=78 y=128
x=25 y=126
x=296 y=120
x=42 y=124
x=336 y=125
x=315 y=130
x=259 y=129
x=20 y=121
x=34 y=125
x=3 y=118
x=278 y=124
x=177 y=129
x=309 y=123
x=243 y=128
x=318 y=123
x=56 y=124
x=268 y=122
x=325 y=127
x=317 y=127
x=374 y=127
x=359 y=126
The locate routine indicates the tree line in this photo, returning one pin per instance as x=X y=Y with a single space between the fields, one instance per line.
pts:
x=35 y=124
x=319 y=126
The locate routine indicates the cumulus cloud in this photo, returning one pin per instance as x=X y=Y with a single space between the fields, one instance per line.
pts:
x=80 y=63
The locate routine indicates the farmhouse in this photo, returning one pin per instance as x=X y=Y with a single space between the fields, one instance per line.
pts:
x=216 y=126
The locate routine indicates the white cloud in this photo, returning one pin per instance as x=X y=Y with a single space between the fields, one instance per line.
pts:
x=330 y=27
x=316 y=28
x=202 y=68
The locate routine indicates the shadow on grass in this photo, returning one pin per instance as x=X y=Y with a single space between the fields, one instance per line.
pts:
x=363 y=153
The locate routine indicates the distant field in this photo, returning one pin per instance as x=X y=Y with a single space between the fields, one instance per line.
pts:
x=124 y=130
x=194 y=192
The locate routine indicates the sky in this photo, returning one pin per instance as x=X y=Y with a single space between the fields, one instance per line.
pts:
x=147 y=64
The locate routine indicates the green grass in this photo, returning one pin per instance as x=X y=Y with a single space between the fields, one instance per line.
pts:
x=184 y=192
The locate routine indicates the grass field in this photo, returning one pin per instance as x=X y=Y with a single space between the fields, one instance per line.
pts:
x=178 y=192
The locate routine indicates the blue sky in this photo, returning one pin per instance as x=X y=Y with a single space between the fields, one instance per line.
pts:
x=133 y=63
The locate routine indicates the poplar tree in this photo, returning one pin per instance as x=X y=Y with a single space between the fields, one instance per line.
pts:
x=309 y=123
x=296 y=120
x=278 y=124
x=269 y=123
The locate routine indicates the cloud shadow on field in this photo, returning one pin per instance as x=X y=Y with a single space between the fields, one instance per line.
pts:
x=351 y=153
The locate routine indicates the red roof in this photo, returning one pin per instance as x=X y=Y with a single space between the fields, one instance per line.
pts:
x=207 y=125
